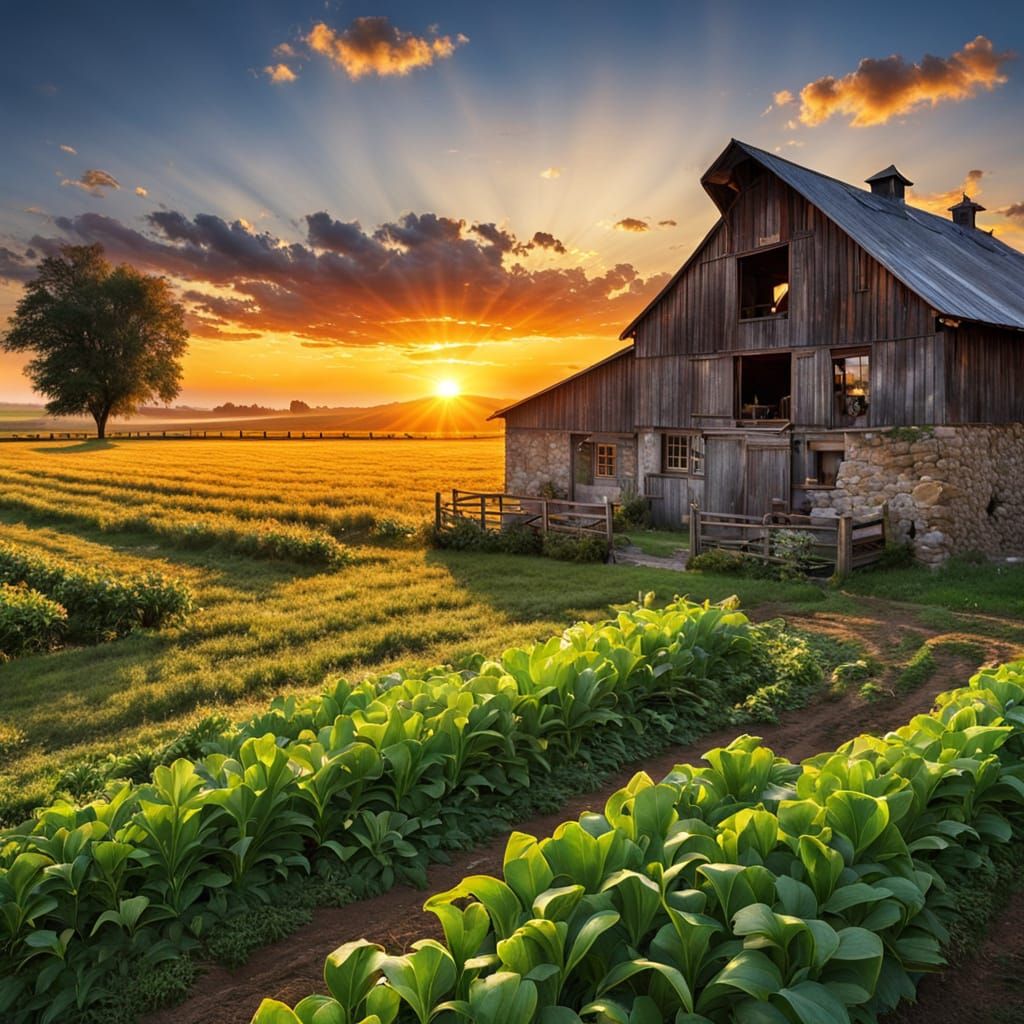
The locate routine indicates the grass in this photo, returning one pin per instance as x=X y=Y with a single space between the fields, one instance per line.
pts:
x=659 y=543
x=265 y=627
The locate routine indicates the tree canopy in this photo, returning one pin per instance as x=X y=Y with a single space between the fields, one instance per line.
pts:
x=103 y=339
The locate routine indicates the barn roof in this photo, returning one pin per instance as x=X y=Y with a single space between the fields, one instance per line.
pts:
x=499 y=413
x=961 y=272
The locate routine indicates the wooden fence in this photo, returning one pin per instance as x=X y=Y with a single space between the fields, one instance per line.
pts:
x=237 y=435
x=491 y=511
x=841 y=542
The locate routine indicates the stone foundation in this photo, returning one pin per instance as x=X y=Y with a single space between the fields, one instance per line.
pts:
x=537 y=460
x=949 y=490
x=540 y=461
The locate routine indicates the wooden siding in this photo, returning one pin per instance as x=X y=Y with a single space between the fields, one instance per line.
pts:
x=812 y=388
x=767 y=478
x=600 y=399
x=908 y=383
x=838 y=294
x=984 y=375
x=671 y=496
x=724 y=464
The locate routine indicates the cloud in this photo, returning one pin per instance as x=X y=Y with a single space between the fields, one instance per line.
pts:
x=69 y=149
x=280 y=74
x=140 y=191
x=550 y=173
x=373 y=46
x=940 y=202
x=546 y=240
x=15 y=266
x=418 y=280
x=1015 y=211
x=93 y=181
x=883 y=88
x=779 y=99
x=668 y=223
x=632 y=224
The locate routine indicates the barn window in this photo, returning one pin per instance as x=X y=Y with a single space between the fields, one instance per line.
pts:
x=764 y=283
x=682 y=453
x=604 y=460
x=851 y=387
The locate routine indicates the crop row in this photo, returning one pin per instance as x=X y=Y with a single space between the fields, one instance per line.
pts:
x=29 y=621
x=257 y=538
x=111 y=499
x=746 y=890
x=376 y=779
x=99 y=605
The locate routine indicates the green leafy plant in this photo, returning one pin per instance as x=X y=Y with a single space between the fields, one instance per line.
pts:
x=28 y=621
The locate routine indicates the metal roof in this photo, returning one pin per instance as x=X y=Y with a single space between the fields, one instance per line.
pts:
x=961 y=272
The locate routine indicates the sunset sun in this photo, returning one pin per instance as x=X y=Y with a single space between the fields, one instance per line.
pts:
x=447 y=388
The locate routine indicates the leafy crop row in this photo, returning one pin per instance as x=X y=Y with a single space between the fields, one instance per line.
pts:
x=745 y=890
x=99 y=605
x=377 y=778
x=28 y=621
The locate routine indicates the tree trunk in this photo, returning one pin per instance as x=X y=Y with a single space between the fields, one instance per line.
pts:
x=101 y=424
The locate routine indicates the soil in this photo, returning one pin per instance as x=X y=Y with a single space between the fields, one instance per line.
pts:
x=293 y=968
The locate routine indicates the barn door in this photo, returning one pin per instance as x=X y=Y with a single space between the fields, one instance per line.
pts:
x=723 y=474
x=767 y=478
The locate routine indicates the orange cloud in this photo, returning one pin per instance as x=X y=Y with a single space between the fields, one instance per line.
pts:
x=550 y=173
x=883 y=88
x=373 y=46
x=940 y=202
x=632 y=224
x=93 y=181
x=421 y=280
x=782 y=97
x=69 y=149
x=142 y=192
x=280 y=74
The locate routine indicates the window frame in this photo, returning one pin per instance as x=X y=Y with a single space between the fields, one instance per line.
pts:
x=841 y=356
x=693 y=460
x=606 y=461
x=741 y=259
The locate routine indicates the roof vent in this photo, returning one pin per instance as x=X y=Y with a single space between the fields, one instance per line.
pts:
x=889 y=183
x=965 y=211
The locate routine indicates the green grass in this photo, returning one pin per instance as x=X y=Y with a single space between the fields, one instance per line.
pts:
x=960 y=585
x=659 y=543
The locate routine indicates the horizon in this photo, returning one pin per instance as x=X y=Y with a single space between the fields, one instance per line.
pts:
x=361 y=207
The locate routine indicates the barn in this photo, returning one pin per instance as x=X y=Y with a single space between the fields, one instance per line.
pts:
x=826 y=346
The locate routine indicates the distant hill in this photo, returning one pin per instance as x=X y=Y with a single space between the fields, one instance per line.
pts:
x=466 y=414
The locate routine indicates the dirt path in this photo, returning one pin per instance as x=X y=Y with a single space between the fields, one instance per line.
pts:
x=293 y=967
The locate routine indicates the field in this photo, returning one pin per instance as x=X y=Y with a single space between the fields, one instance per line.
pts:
x=281 y=623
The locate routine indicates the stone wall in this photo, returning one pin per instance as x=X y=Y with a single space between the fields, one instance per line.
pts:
x=540 y=460
x=949 y=490
x=536 y=459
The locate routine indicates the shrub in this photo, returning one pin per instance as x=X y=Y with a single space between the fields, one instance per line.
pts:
x=99 y=606
x=567 y=547
x=895 y=556
x=796 y=549
x=718 y=561
x=28 y=621
x=634 y=508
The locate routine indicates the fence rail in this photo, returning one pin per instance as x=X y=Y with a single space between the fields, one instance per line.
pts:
x=499 y=511
x=842 y=542
x=235 y=435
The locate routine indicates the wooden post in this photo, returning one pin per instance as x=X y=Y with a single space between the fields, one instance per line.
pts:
x=483 y=513
x=608 y=524
x=885 y=524
x=544 y=515
x=767 y=543
x=694 y=529
x=844 y=546
x=437 y=510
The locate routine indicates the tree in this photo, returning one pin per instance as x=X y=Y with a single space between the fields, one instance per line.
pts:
x=299 y=406
x=104 y=339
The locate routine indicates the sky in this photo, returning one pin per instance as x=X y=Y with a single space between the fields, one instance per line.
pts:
x=356 y=202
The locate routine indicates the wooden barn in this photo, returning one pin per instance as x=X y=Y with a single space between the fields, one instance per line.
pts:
x=789 y=358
